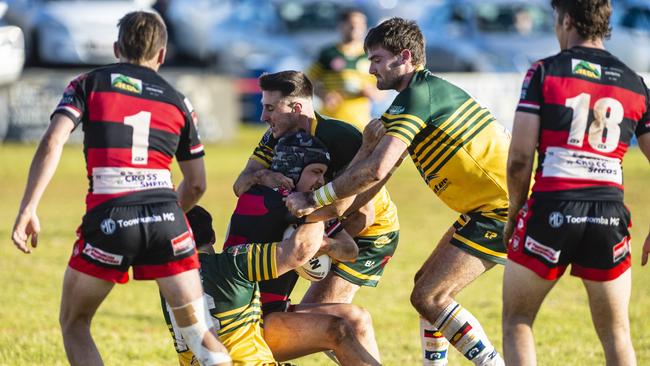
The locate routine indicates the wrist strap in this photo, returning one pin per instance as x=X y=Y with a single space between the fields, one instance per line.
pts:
x=325 y=195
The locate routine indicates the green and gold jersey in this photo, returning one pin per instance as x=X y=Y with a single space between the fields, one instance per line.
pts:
x=345 y=72
x=457 y=146
x=342 y=141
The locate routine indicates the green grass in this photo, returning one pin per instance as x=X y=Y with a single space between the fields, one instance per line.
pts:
x=129 y=327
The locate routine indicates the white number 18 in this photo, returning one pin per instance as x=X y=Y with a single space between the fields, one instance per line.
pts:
x=604 y=131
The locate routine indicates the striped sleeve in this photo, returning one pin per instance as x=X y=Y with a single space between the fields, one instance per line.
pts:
x=260 y=262
x=263 y=152
x=531 y=97
x=73 y=101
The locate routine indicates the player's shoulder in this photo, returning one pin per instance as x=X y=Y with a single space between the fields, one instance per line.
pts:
x=328 y=128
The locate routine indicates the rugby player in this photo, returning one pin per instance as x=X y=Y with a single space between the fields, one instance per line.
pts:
x=134 y=123
x=288 y=107
x=460 y=151
x=340 y=73
x=579 y=109
x=230 y=278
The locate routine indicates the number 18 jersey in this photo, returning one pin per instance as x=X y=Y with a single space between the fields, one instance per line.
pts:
x=590 y=106
x=134 y=123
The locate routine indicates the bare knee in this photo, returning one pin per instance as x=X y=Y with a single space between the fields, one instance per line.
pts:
x=339 y=331
x=359 y=320
x=70 y=320
x=430 y=303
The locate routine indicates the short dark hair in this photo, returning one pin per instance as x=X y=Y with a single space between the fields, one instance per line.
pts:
x=142 y=34
x=395 y=35
x=290 y=83
x=590 y=17
x=347 y=13
x=200 y=221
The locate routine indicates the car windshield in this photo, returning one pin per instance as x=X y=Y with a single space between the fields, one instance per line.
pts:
x=299 y=16
x=520 y=18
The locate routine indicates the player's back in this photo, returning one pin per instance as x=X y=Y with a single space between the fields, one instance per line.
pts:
x=134 y=123
x=590 y=105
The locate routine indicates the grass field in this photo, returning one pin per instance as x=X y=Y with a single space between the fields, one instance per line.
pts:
x=130 y=330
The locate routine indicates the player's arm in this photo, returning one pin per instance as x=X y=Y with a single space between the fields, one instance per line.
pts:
x=300 y=247
x=340 y=246
x=193 y=184
x=44 y=164
x=257 y=173
x=357 y=178
x=525 y=132
x=644 y=144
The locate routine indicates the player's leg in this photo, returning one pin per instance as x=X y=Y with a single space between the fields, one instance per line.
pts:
x=523 y=293
x=331 y=289
x=316 y=332
x=82 y=295
x=609 y=302
x=446 y=272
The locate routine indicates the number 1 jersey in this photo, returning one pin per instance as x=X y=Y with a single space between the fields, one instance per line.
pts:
x=590 y=106
x=134 y=123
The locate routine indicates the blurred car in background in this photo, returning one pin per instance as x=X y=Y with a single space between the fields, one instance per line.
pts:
x=70 y=32
x=12 y=49
x=630 y=39
x=484 y=35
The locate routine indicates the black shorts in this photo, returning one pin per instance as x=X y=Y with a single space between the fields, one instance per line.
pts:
x=153 y=238
x=592 y=236
x=275 y=293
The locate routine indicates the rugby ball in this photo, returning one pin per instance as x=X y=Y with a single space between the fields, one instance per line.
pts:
x=316 y=268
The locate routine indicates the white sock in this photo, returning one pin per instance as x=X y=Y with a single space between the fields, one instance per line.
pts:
x=465 y=333
x=434 y=345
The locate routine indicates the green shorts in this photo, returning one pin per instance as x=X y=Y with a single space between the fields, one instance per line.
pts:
x=374 y=253
x=480 y=236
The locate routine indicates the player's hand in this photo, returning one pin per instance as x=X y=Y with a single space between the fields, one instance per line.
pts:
x=372 y=133
x=645 y=251
x=300 y=203
x=508 y=229
x=332 y=100
x=275 y=180
x=26 y=228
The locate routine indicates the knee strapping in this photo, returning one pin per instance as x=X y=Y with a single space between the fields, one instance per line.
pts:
x=194 y=320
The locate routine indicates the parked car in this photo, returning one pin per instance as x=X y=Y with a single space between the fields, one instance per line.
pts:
x=12 y=50
x=484 y=35
x=630 y=39
x=70 y=31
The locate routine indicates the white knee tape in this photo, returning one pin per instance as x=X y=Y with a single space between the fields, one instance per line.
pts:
x=194 y=333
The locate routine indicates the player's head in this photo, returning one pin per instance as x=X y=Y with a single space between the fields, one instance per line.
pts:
x=303 y=158
x=201 y=223
x=353 y=25
x=588 y=18
x=395 y=48
x=142 y=37
x=285 y=96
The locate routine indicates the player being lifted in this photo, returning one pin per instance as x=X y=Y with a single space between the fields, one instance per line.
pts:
x=288 y=107
x=230 y=278
x=460 y=151
x=134 y=123
x=580 y=109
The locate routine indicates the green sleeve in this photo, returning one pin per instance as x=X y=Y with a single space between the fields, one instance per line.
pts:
x=408 y=114
x=256 y=262
x=263 y=152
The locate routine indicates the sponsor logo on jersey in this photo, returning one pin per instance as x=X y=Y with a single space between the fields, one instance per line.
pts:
x=585 y=68
x=435 y=355
x=183 y=243
x=112 y=180
x=560 y=162
x=474 y=351
x=102 y=256
x=515 y=242
x=542 y=250
x=396 y=109
x=127 y=83
x=440 y=187
x=555 y=219
x=381 y=241
x=621 y=249
x=107 y=226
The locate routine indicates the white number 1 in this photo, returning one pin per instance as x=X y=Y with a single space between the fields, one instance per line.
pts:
x=604 y=132
x=140 y=146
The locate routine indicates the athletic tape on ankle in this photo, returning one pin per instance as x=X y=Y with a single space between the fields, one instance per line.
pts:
x=325 y=195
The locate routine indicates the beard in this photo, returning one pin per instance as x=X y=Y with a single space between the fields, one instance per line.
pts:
x=388 y=83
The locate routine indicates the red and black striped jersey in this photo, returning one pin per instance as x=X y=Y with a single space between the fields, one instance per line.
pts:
x=134 y=123
x=590 y=106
